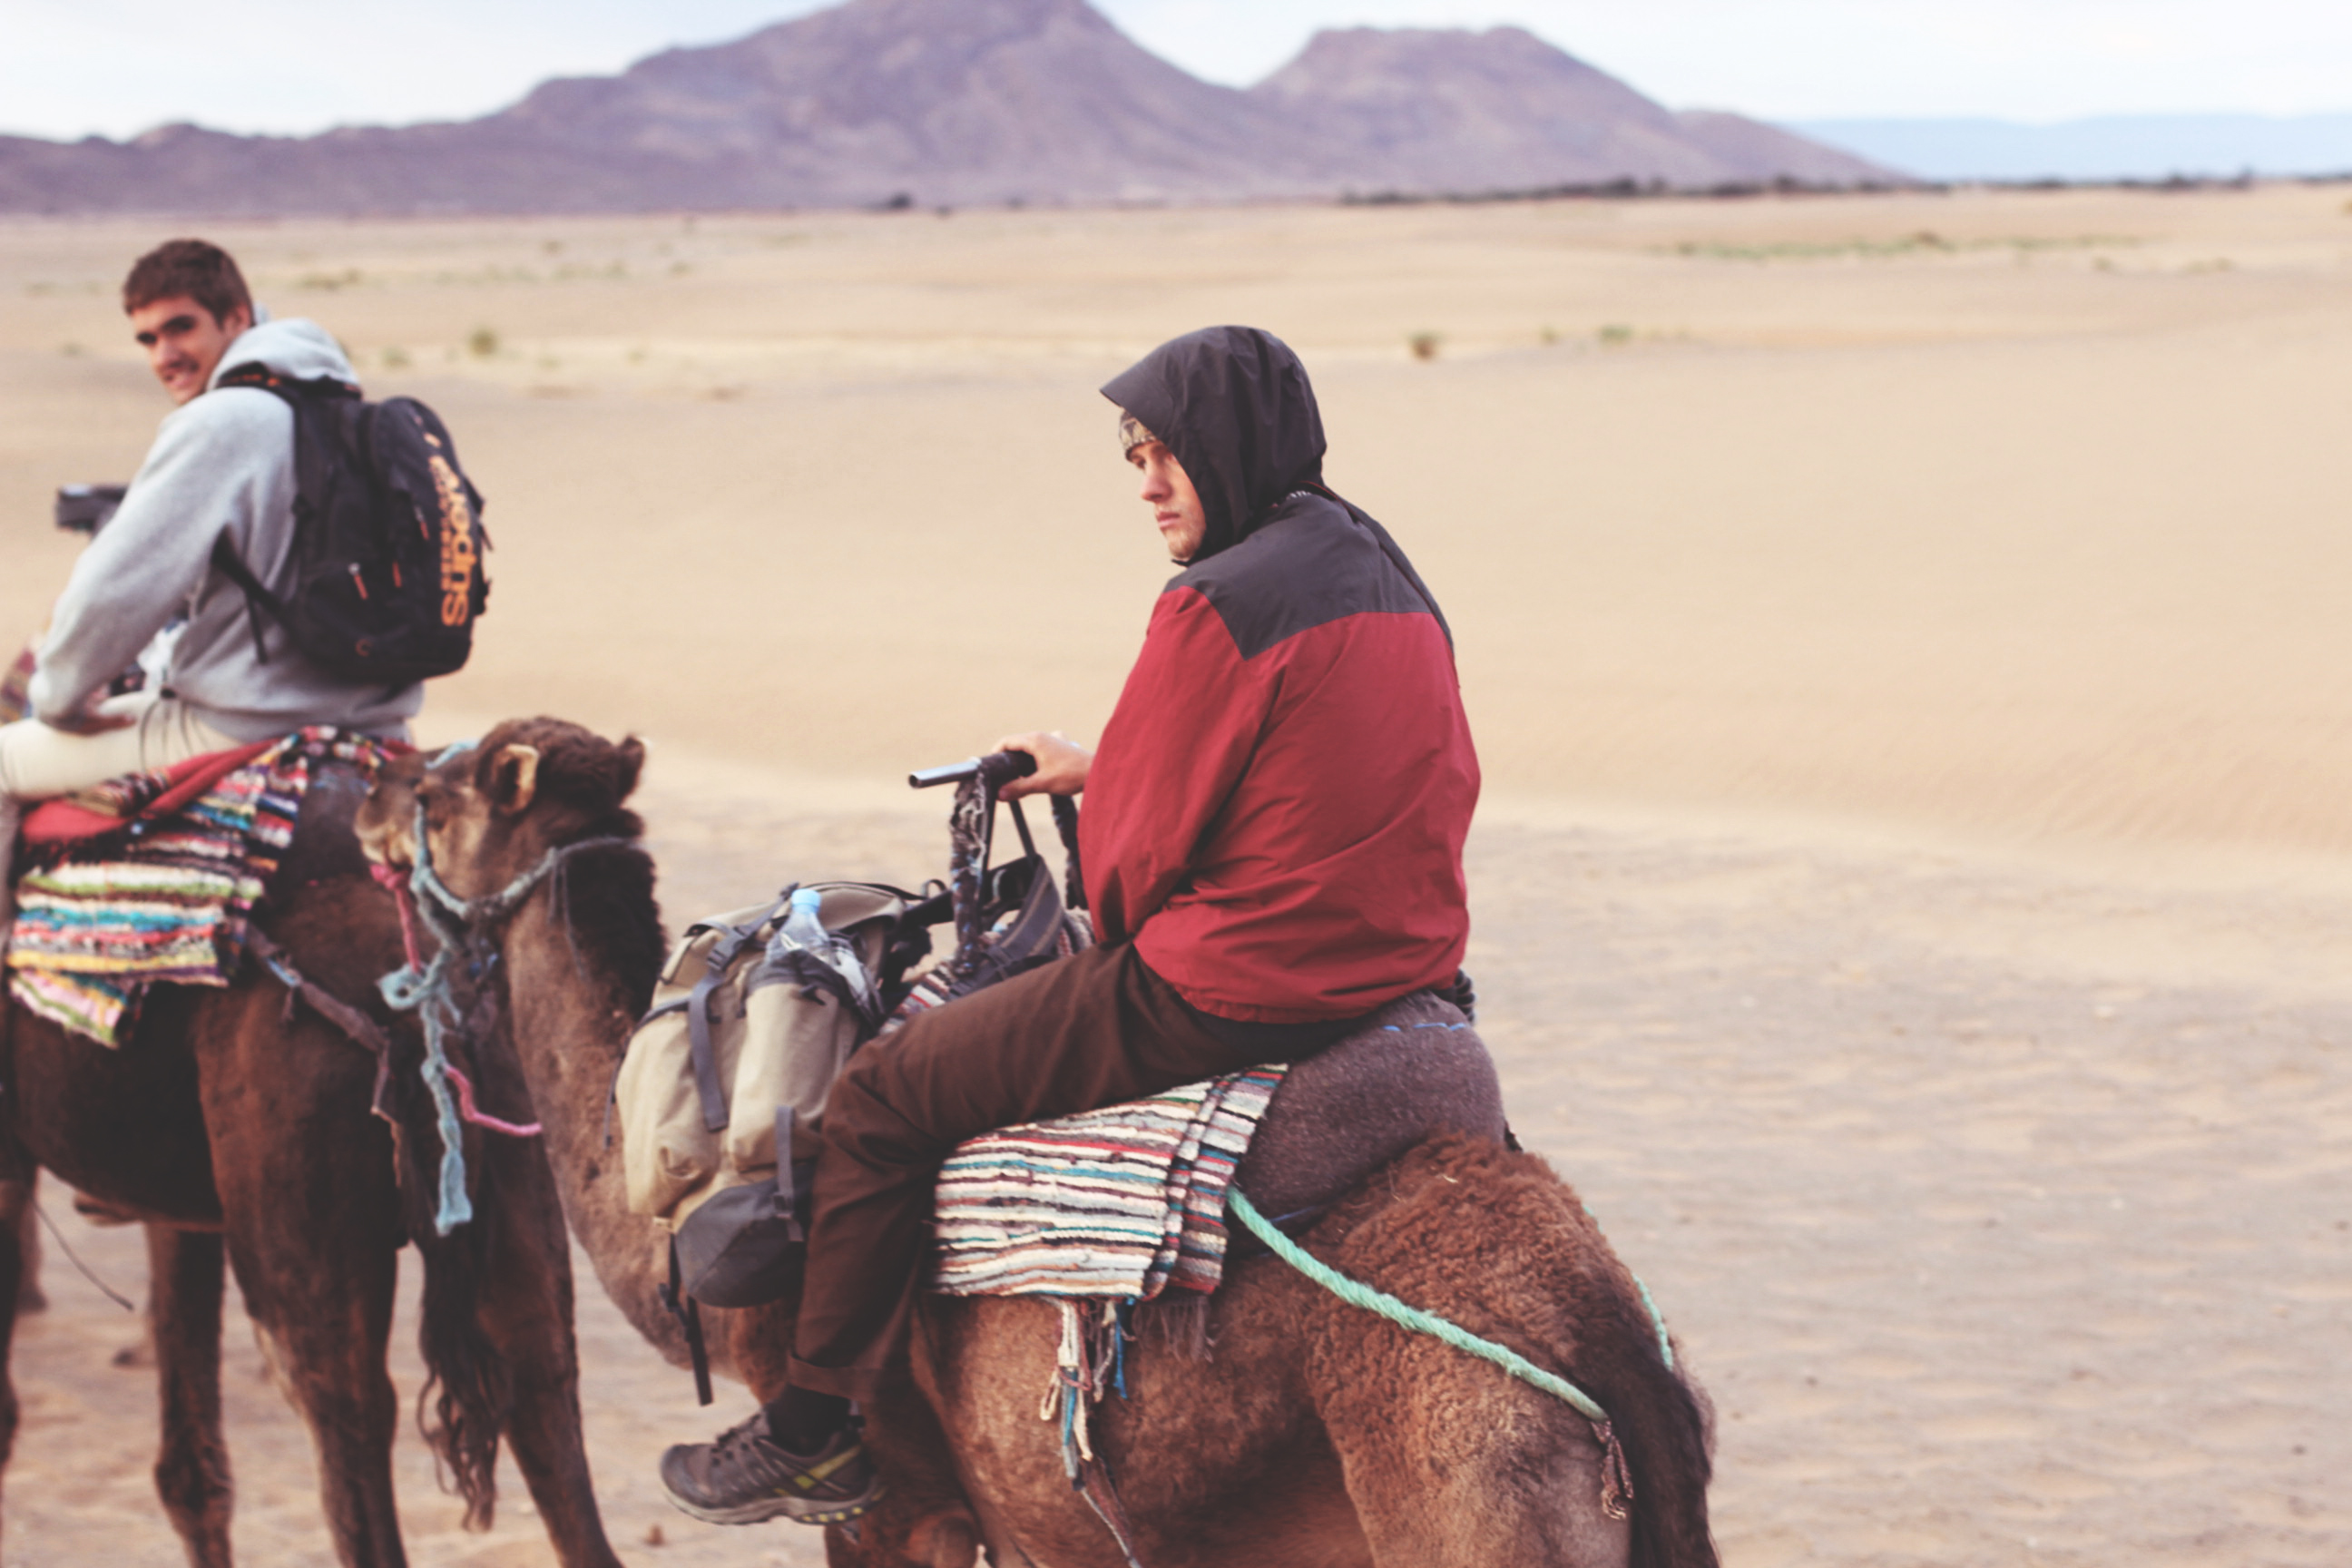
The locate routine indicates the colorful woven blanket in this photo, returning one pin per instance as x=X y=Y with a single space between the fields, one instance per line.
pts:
x=1120 y=1203
x=165 y=897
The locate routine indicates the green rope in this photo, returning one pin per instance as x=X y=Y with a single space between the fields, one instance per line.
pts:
x=1648 y=1303
x=1357 y=1294
x=1657 y=1318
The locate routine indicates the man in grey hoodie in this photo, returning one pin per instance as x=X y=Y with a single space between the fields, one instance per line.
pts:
x=222 y=467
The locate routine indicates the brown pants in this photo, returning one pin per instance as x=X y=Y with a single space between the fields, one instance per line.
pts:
x=1092 y=1030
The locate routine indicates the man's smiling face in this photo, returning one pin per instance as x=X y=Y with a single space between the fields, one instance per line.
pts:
x=184 y=342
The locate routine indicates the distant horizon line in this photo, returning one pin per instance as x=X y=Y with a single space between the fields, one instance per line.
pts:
x=2102 y=117
x=1794 y=123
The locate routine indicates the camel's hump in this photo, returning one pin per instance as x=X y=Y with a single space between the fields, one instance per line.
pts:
x=1416 y=1067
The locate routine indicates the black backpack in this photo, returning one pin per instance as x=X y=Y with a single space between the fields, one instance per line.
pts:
x=388 y=538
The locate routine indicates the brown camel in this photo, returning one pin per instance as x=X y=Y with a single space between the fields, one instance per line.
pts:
x=237 y=1128
x=1315 y=1433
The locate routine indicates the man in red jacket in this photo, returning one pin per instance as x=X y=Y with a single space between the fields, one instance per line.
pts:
x=1273 y=850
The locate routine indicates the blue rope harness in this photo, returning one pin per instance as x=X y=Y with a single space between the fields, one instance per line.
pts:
x=462 y=928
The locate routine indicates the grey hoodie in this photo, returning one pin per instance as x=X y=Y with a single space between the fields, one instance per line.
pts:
x=222 y=464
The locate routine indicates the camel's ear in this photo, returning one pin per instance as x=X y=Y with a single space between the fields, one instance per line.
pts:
x=514 y=778
x=626 y=767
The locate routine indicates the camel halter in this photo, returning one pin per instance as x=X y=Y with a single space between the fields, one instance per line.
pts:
x=467 y=926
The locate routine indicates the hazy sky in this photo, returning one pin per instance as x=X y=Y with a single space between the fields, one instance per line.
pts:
x=68 y=67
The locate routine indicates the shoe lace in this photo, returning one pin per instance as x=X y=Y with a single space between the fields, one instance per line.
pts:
x=738 y=1437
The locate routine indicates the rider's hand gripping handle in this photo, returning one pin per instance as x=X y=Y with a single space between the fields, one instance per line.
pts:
x=995 y=768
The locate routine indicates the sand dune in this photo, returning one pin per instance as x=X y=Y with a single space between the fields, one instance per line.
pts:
x=1902 y=635
x=2023 y=529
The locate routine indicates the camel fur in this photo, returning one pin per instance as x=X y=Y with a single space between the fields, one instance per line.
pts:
x=237 y=1129
x=1316 y=1436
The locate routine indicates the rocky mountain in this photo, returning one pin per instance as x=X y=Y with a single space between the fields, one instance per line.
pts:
x=1502 y=110
x=952 y=100
x=956 y=102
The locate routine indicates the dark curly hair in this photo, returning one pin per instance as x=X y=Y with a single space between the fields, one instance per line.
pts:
x=196 y=268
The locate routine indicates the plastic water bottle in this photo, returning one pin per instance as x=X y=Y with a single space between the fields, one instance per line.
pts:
x=803 y=923
x=803 y=928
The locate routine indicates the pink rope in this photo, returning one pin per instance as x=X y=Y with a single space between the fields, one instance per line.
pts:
x=465 y=1088
x=396 y=884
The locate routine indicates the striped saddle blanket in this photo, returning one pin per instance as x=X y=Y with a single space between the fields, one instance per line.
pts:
x=1121 y=1202
x=154 y=878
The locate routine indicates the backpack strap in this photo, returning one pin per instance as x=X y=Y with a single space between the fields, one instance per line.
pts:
x=257 y=598
x=787 y=1201
x=689 y=1313
x=256 y=374
x=722 y=958
x=1066 y=821
x=310 y=476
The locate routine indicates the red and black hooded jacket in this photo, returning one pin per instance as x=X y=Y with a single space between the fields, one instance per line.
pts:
x=1277 y=811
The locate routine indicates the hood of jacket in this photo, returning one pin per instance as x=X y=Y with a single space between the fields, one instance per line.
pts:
x=1234 y=407
x=301 y=350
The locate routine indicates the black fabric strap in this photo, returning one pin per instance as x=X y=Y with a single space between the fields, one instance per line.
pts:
x=707 y=1086
x=722 y=956
x=256 y=598
x=1073 y=879
x=688 y=1313
x=312 y=463
x=362 y=1030
x=785 y=1198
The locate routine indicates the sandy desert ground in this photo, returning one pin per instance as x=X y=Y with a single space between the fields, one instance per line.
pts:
x=1914 y=895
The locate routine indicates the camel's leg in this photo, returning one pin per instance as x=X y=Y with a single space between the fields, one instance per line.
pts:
x=311 y=1219
x=30 y=1297
x=526 y=1313
x=1452 y=1464
x=16 y=1174
x=183 y=1312
x=318 y=1279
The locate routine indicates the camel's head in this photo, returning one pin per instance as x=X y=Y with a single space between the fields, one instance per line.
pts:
x=493 y=810
x=386 y=821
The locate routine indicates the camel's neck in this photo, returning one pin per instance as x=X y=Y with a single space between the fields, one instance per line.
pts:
x=572 y=1023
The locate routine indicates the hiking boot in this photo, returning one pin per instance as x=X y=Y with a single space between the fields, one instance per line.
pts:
x=746 y=1476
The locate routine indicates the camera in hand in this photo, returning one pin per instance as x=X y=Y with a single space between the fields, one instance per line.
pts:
x=85 y=509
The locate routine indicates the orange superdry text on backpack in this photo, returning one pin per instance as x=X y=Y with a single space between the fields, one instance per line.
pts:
x=457 y=557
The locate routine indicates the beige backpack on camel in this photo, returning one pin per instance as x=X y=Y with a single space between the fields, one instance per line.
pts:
x=727 y=1075
x=738 y=1055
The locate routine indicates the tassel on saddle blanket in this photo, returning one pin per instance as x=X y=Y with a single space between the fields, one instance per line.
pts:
x=1099 y=1211
x=154 y=878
